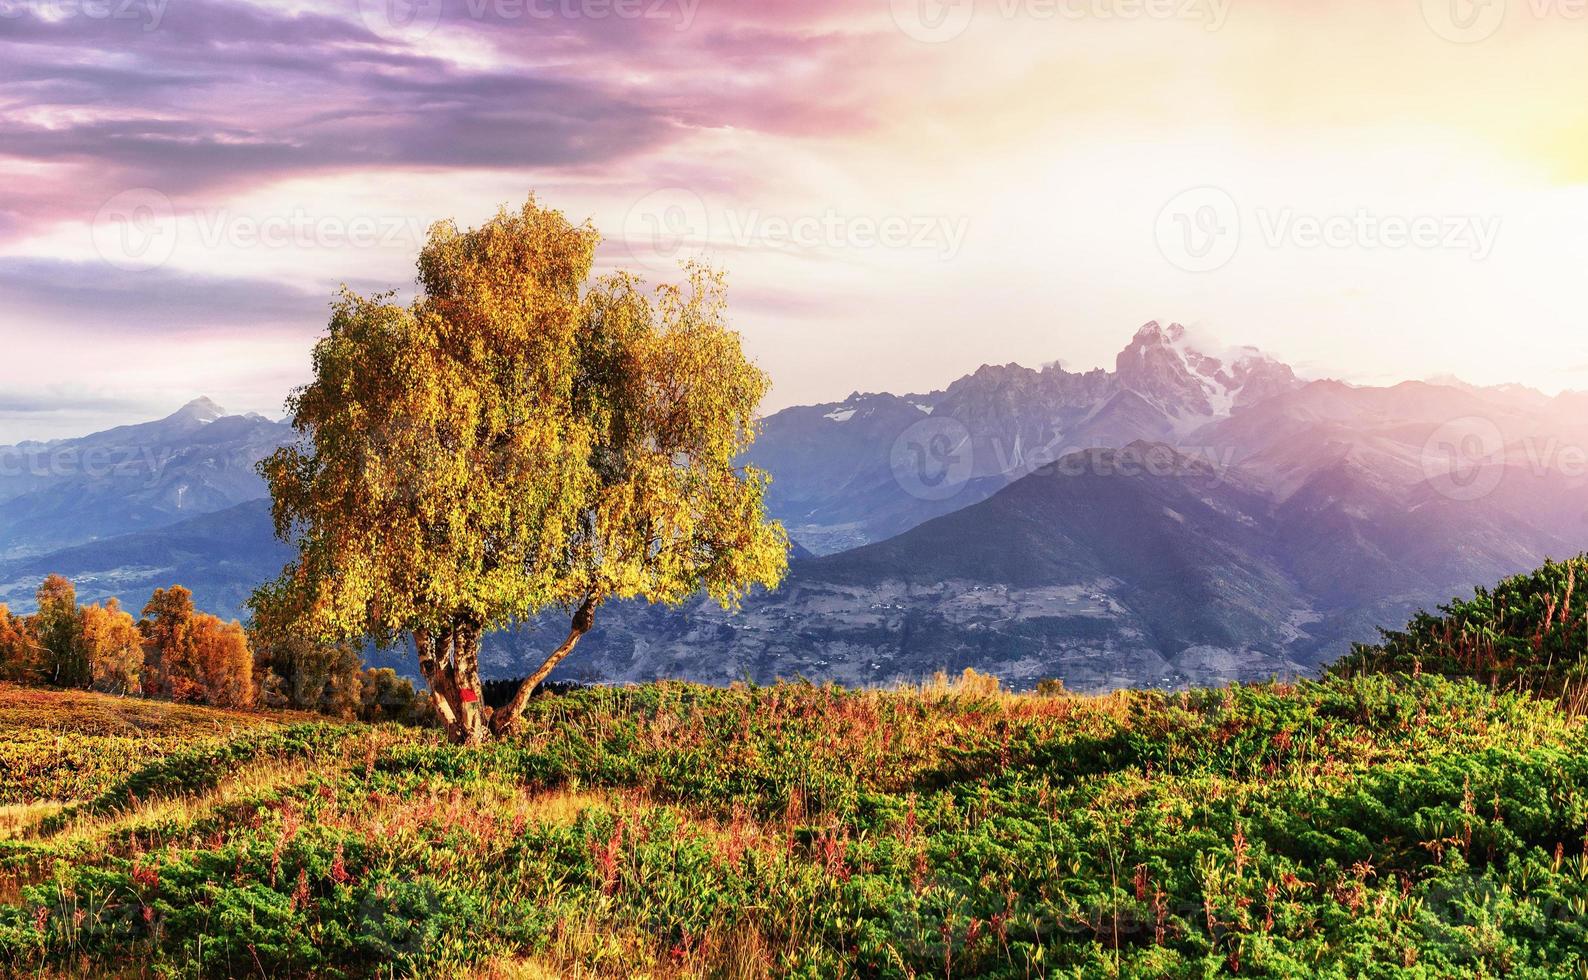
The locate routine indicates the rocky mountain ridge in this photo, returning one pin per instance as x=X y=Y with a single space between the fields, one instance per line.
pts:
x=852 y=472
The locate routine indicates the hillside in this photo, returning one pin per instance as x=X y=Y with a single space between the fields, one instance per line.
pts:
x=133 y=478
x=1525 y=634
x=1142 y=566
x=1347 y=827
x=222 y=556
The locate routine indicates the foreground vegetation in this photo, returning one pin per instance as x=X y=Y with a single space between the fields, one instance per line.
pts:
x=1422 y=811
x=1529 y=633
x=1358 y=825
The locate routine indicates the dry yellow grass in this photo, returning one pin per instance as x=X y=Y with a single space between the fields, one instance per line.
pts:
x=146 y=816
x=149 y=823
x=592 y=950
x=969 y=684
x=91 y=713
x=19 y=817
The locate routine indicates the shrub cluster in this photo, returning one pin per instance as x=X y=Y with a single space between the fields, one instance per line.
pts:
x=1528 y=634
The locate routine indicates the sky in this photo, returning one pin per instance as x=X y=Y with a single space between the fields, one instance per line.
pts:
x=898 y=190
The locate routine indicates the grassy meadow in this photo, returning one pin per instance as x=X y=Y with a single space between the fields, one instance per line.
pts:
x=1355 y=826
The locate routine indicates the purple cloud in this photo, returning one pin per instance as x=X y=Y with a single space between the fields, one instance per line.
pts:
x=94 y=297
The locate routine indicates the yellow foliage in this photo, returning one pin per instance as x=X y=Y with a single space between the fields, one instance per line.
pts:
x=517 y=438
x=114 y=647
x=197 y=656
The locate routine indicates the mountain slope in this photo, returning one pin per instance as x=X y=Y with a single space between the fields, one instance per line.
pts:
x=1139 y=566
x=138 y=477
x=1110 y=567
x=1285 y=521
x=222 y=557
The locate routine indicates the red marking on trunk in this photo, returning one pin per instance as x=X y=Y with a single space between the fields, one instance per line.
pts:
x=467 y=696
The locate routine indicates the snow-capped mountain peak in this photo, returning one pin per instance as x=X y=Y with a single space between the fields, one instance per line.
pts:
x=1193 y=379
x=202 y=410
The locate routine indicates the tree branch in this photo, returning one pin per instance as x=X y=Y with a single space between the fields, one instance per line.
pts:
x=505 y=720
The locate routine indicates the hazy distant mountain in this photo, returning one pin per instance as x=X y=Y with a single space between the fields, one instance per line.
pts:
x=1389 y=498
x=862 y=470
x=221 y=556
x=1077 y=570
x=132 y=478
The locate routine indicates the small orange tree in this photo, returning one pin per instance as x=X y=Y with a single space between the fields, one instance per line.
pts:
x=519 y=438
x=114 y=646
x=224 y=665
x=21 y=657
x=167 y=628
x=60 y=633
x=195 y=656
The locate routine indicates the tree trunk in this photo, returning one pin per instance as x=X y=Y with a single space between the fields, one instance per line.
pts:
x=505 y=720
x=450 y=663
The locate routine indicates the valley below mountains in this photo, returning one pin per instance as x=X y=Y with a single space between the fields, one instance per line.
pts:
x=1196 y=514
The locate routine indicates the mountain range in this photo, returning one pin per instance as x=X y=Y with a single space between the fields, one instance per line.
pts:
x=1198 y=513
x=867 y=468
x=131 y=478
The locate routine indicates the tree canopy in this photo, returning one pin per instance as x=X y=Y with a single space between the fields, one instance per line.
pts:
x=520 y=437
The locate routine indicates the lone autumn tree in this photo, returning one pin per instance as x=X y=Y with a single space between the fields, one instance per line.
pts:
x=519 y=438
